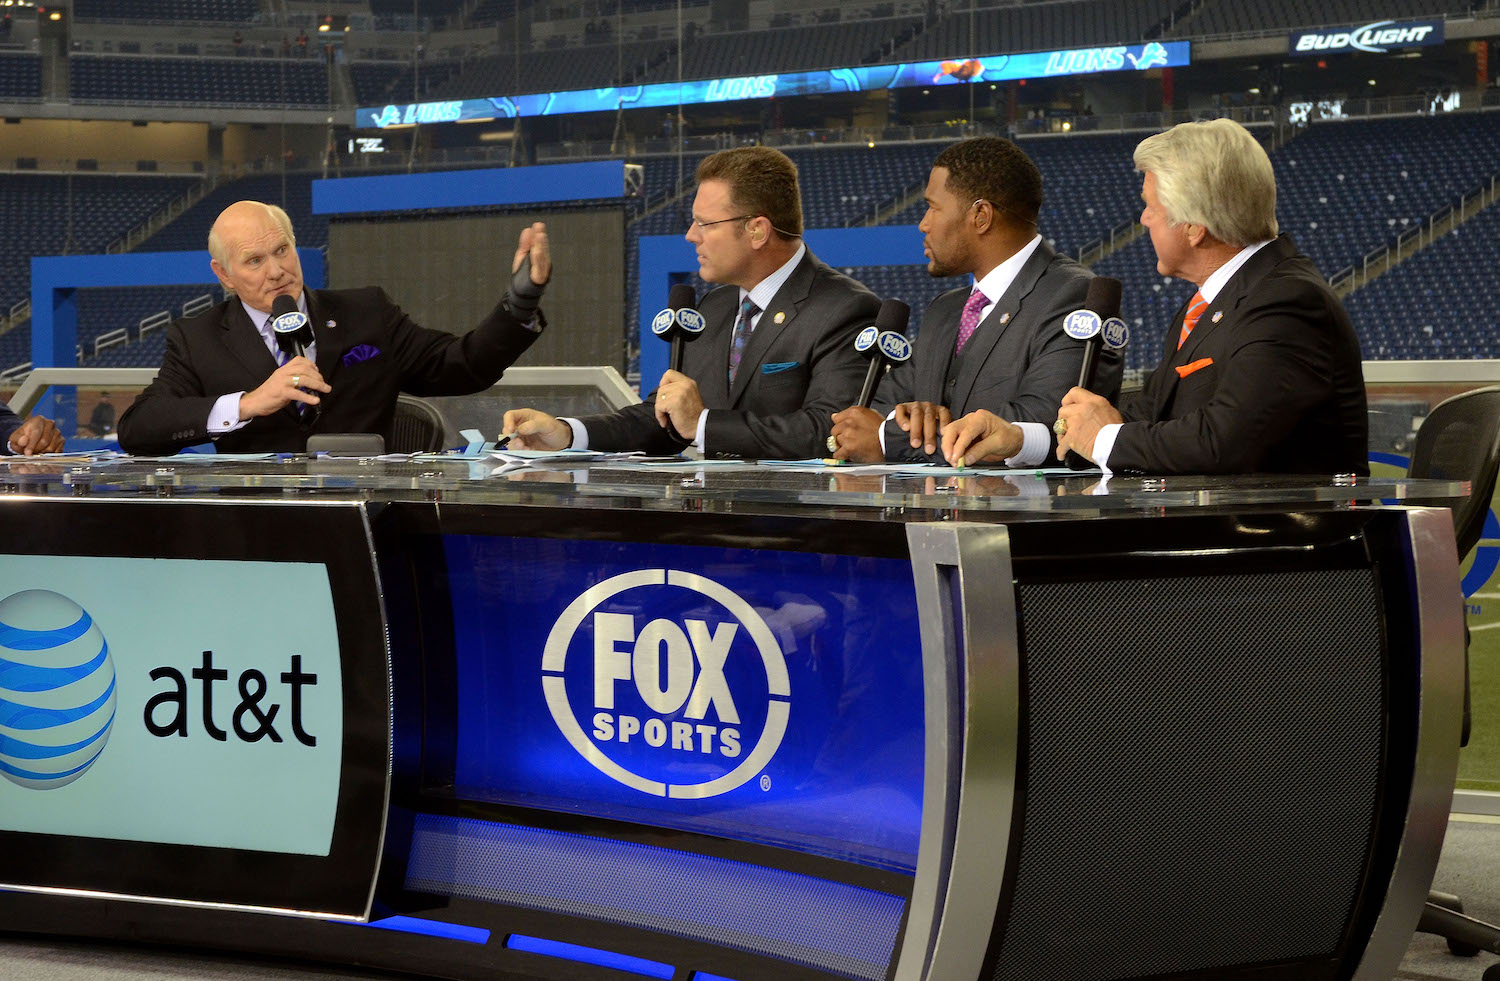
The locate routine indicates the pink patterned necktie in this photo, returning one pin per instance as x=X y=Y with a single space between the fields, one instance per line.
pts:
x=968 y=322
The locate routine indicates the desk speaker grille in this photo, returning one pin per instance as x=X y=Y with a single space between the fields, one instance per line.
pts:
x=1226 y=756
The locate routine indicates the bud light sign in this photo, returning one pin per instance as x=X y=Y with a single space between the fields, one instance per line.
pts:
x=760 y=694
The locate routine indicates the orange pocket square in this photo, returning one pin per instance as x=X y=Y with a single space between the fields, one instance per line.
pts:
x=1187 y=369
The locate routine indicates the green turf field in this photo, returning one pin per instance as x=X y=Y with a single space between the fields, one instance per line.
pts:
x=1479 y=764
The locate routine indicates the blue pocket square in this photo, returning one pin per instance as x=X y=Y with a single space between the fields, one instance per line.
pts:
x=771 y=369
x=358 y=353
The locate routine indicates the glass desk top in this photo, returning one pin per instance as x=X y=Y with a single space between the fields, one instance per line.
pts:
x=883 y=493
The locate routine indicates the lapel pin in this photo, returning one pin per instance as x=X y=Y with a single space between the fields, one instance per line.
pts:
x=330 y=323
x=780 y=317
x=1005 y=317
x=1218 y=316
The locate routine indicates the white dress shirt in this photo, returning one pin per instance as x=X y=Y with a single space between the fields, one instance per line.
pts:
x=993 y=285
x=224 y=416
x=761 y=295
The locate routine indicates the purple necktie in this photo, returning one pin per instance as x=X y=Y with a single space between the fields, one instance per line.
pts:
x=742 y=329
x=968 y=322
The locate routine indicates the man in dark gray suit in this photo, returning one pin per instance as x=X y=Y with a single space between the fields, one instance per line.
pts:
x=999 y=346
x=776 y=357
x=1261 y=370
x=36 y=435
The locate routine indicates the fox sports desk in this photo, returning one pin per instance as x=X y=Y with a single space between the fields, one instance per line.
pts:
x=726 y=723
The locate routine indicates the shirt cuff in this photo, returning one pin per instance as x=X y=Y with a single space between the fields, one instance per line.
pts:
x=702 y=429
x=1036 y=440
x=880 y=431
x=1104 y=445
x=580 y=434
x=224 y=417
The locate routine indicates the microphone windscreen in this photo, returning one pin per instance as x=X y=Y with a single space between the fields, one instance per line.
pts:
x=894 y=315
x=283 y=304
x=681 y=296
x=1103 y=297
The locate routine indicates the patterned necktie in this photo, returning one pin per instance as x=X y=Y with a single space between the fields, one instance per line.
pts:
x=742 y=329
x=968 y=321
x=1195 y=309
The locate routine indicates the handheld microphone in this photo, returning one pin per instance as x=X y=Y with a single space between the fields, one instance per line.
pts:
x=293 y=335
x=679 y=322
x=885 y=344
x=1097 y=324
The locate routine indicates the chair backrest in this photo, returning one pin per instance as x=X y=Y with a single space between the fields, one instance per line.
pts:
x=418 y=426
x=1460 y=440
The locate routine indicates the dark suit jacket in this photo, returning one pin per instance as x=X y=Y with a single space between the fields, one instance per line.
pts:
x=1018 y=364
x=1284 y=392
x=794 y=374
x=9 y=423
x=220 y=351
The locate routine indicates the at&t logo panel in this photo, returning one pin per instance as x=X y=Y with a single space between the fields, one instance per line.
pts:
x=667 y=682
x=57 y=690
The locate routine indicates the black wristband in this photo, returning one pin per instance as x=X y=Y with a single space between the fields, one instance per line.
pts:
x=524 y=296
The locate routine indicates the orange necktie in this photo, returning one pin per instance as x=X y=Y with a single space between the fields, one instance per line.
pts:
x=1190 y=320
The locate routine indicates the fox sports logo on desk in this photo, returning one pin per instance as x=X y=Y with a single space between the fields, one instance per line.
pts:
x=57 y=690
x=667 y=682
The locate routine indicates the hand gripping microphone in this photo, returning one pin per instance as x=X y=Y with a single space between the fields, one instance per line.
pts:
x=293 y=335
x=1097 y=324
x=679 y=322
x=885 y=344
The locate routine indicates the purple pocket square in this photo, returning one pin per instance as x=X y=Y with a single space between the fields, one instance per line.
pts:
x=358 y=353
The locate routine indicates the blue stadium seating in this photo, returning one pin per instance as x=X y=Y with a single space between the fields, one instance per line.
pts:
x=1346 y=188
x=190 y=230
x=1269 y=15
x=199 y=81
x=1036 y=27
x=1149 y=303
x=595 y=66
x=168 y=11
x=103 y=208
x=379 y=83
x=787 y=49
x=20 y=77
x=1440 y=303
x=15 y=346
x=104 y=310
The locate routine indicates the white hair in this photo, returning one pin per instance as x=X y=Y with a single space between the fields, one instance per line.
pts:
x=1215 y=174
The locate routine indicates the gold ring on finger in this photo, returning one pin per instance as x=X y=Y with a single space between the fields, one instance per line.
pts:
x=1060 y=427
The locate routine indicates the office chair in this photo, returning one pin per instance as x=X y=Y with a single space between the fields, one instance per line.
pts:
x=418 y=426
x=1460 y=440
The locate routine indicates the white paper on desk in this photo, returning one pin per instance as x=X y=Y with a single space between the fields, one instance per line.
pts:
x=545 y=456
x=682 y=466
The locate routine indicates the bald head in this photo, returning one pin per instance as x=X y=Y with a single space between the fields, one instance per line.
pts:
x=254 y=253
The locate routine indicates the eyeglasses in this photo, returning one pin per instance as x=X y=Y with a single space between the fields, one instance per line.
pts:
x=704 y=224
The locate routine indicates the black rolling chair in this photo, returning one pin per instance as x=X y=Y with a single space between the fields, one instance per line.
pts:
x=1460 y=440
x=418 y=427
